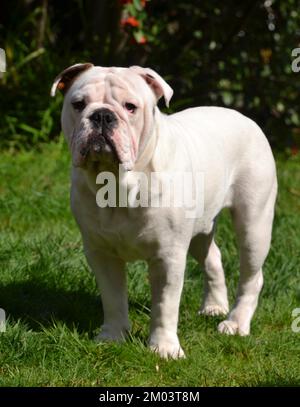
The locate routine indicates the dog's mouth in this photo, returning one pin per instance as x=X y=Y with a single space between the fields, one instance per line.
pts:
x=99 y=146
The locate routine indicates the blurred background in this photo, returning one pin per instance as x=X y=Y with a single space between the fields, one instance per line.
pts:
x=233 y=54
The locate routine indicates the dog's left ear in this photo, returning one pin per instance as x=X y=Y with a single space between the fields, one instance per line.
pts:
x=158 y=85
x=64 y=80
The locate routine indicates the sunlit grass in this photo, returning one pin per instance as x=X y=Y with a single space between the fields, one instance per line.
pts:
x=54 y=308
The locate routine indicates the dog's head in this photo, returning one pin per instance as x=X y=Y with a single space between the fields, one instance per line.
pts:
x=109 y=113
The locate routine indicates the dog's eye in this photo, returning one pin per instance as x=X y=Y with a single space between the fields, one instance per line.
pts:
x=130 y=107
x=79 y=105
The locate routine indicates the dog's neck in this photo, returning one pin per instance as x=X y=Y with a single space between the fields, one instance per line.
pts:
x=147 y=150
x=149 y=158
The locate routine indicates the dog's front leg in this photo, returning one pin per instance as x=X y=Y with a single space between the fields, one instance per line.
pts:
x=166 y=276
x=111 y=279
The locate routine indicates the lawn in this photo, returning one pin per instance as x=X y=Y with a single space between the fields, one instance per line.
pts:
x=54 y=308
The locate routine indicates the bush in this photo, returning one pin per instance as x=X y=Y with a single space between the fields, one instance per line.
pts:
x=232 y=54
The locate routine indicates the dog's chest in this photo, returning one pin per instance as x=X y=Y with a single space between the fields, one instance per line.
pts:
x=127 y=233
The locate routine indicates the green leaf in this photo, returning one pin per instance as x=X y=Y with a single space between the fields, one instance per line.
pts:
x=138 y=5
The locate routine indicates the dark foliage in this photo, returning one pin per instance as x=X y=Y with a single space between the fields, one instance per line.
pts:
x=234 y=54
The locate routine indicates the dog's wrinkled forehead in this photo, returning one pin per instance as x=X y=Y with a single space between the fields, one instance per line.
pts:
x=98 y=84
x=141 y=81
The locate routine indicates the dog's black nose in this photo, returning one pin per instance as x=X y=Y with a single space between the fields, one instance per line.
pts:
x=103 y=118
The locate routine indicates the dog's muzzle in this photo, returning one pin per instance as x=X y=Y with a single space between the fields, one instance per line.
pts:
x=103 y=121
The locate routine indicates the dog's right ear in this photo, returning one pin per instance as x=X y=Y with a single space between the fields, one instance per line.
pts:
x=64 y=80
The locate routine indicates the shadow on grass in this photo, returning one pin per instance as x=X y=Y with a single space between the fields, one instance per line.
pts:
x=37 y=305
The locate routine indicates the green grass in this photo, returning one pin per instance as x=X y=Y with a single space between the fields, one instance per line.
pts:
x=54 y=308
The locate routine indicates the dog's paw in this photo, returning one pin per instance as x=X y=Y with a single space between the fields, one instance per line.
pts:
x=213 y=310
x=229 y=327
x=168 y=350
x=166 y=344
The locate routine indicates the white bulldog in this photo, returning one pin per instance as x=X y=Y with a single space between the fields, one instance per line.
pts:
x=110 y=117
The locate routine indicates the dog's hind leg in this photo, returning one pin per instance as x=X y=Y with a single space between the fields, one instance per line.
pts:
x=253 y=224
x=205 y=250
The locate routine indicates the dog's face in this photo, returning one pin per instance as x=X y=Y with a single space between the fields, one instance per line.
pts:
x=109 y=113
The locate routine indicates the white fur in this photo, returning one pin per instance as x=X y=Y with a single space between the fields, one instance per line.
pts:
x=239 y=173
